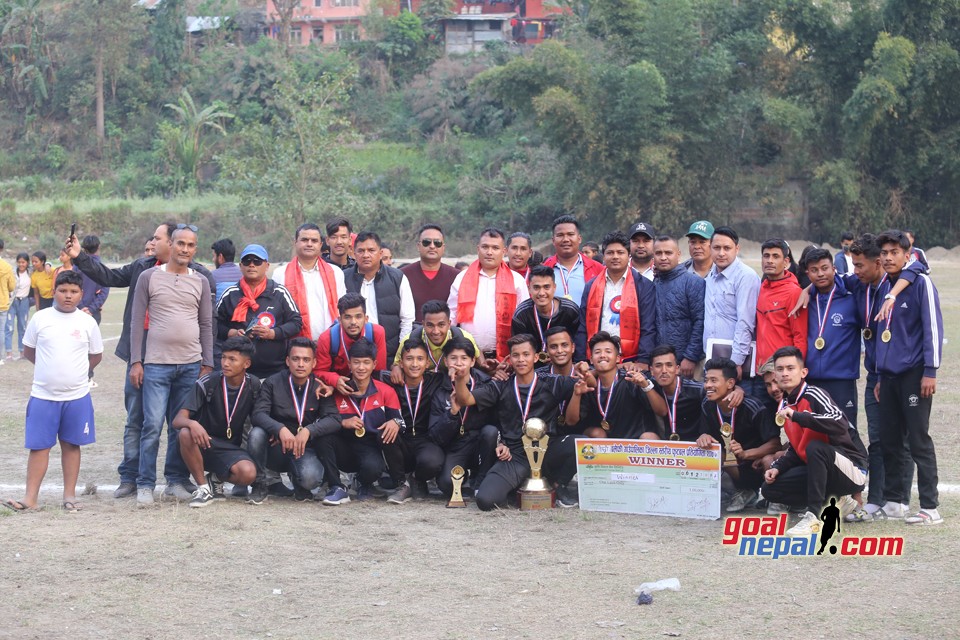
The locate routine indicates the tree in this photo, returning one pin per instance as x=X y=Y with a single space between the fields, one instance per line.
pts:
x=168 y=35
x=25 y=64
x=283 y=13
x=291 y=169
x=106 y=31
x=188 y=144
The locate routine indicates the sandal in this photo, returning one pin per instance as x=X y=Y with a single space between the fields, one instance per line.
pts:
x=925 y=517
x=18 y=506
x=72 y=506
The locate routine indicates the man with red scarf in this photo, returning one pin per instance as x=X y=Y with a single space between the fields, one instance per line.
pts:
x=261 y=310
x=314 y=284
x=620 y=302
x=484 y=297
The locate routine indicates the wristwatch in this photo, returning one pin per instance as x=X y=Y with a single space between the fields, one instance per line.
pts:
x=890 y=296
x=648 y=388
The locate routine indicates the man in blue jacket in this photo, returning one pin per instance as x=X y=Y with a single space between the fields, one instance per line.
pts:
x=908 y=356
x=679 y=305
x=833 y=334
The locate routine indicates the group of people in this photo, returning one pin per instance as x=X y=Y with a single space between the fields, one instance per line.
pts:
x=338 y=363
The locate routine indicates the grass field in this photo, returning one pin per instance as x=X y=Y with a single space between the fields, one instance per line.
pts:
x=290 y=570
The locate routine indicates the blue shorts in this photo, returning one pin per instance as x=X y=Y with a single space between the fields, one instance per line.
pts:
x=71 y=420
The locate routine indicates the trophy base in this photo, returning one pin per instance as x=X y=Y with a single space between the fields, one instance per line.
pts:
x=454 y=504
x=536 y=500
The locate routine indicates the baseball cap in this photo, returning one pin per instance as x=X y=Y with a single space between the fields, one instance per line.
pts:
x=701 y=228
x=643 y=227
x=254 y=250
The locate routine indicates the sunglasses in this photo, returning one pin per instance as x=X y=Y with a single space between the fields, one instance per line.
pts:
x=428 y=242
x=251 y=260
x=192 y=227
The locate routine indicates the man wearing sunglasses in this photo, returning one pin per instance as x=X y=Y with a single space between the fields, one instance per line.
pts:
x=261 y=310
x=429 y=277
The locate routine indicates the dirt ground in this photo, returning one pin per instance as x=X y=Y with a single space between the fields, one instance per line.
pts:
x=291 y=570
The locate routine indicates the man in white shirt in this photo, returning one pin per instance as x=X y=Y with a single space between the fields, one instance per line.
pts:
x=315 y=285
x=642 y=235
x=64 y=345
x=485 y=296
x=386 y=290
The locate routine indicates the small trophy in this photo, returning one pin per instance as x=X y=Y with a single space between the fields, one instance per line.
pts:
x=726 y=432
x=456 y=498
x=536 y=493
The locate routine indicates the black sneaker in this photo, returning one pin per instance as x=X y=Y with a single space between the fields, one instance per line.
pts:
x=420 y=489
x=201 y=497
x=301 y=495
x=258 y=493
x=567 y=497
x=280 y=490
x=216 y=486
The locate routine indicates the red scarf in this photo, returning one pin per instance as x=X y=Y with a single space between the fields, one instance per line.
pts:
x=249 y=300
x=629 y=313
x=293 y=281
x=506 y=302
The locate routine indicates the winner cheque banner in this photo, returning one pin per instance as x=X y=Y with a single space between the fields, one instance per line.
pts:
x=655 y=477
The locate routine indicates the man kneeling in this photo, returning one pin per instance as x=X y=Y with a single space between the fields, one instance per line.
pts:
x=822 y=459
x=212 y=420
x=293 y=413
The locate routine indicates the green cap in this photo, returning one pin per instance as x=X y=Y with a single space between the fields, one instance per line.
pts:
x=701 y=228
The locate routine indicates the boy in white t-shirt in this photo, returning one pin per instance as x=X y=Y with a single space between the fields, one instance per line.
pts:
x=64 y=344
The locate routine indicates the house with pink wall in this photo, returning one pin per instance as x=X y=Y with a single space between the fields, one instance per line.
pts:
x=322 y=22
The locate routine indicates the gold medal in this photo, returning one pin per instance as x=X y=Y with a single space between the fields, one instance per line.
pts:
x=605 y=425
x=360 y=432
x=542 y=357
x=229 y=433
x=780 y=420
x=886 y=336
x=867 y=333
x=674 y=436
x=568 y=297
x=561 y=420
x=726 y=429
x=820 y=343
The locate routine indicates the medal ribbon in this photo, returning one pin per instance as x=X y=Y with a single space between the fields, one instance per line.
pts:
x=359 y=411
x=414 y=410
x=822 y=319
x=605 y=408
x=226 y=400
x=563 y=278
x=426 y=341
x=541 y=331
x=672 y=407
x=733 y=418
x=524 y=407
x=465 y=410
x=301 y=406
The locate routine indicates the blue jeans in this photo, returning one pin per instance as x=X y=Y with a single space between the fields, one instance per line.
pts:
x=19 y=310
x=133 y=402
x=306 y=471
x=165 y=391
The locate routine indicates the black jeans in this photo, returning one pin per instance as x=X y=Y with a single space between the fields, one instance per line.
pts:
x=877 y=475
x=904 y=413
x=475 y=451
x=420 y=455
x=507 y=475
x=827 y=473
x=364 y=456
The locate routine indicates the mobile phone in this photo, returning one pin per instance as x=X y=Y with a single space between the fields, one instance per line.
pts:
x=73 y=229
x=353 y=384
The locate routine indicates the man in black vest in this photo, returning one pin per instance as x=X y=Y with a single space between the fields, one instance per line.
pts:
x=386 y=290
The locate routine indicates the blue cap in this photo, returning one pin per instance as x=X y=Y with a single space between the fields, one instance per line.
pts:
x=255 y=250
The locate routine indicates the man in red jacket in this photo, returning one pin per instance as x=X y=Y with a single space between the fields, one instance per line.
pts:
x=572 y=269
x=778 y=296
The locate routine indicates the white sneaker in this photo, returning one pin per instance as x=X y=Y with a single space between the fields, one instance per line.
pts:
x=925 y=517
x=847 y=505
x=895 y=510
x=93 y=384
x=776 y=508
x=741 y=500
x=144 y=497
x=808 y=524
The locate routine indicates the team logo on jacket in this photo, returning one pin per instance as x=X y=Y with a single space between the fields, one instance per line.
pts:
x=913 y=400
x=837 y=319
x=343 y=405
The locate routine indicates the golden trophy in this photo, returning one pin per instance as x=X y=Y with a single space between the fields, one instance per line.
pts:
x=726 y=432
x=536 y=493
x=456 y=498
